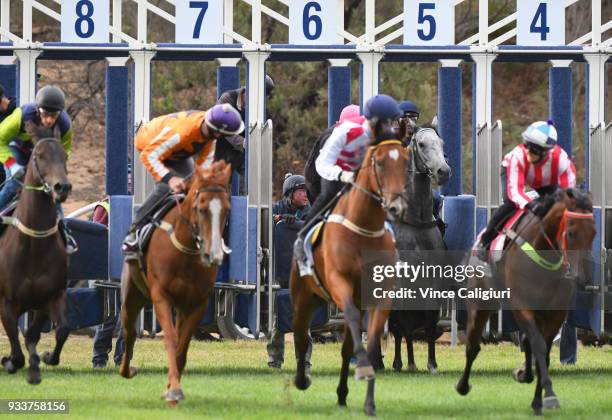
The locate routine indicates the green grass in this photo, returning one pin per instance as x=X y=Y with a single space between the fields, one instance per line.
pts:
x=232 y=380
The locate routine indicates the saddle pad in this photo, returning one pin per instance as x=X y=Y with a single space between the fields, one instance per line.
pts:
x=144 y=233
x=499 y=243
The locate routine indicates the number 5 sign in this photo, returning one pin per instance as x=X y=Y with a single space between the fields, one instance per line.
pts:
x=313 y=22
x=85 y=21
x=199 y=21
x=540 y=22
x=429 y=22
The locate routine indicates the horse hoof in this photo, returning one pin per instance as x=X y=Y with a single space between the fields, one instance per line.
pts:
x=9 y=367
x=302 y=384
x=132 y=371
x=49 y=360
x=433 y=370
x=537 y=412
x=33 y=377
x=173 y=395
x=397 y=368
x=369 y=410
x=412 y=367
x=551 y=402
x=364 y=372
x=463 y=389
x=172 y=404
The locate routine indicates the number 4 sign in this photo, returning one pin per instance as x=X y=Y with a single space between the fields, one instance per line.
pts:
x=199 y=22
x=540 y=22
x=85 y=21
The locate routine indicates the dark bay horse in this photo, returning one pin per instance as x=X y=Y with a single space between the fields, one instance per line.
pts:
x=33 y=258
x=566 y=231
x=417 y=230
x=338 y=264
x=182 y=260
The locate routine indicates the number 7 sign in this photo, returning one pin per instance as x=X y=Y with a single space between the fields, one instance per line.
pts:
x=199 y=21
x=540 y=22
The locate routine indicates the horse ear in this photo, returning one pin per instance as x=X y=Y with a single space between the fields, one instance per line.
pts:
x=57 y=133
x=227 y=172
x=33 y=131
x=434 y=122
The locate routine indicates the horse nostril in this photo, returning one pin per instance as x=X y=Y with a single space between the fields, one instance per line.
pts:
x=62 y=188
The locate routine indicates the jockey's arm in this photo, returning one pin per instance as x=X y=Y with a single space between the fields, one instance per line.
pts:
x=326 y=162
x=157 y=151
x=67 y=141
x=207 y=155
x=9 y=129
x=567 y=174
x=516 y=183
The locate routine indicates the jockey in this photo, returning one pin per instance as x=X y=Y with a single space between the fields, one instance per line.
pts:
x=15 y=143
x=294 y=205
x=7 y=106
x=343 y=153
x=313 y=179
x=231 y=148
x=538 y=163
x=167 y=146
x=408 y=120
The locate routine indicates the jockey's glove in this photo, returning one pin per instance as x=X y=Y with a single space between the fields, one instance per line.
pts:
x=347 y=177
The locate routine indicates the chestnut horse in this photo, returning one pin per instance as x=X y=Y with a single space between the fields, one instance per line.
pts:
x=566 y=231
x=181 y=262
x=33 y=258
x=338 y=263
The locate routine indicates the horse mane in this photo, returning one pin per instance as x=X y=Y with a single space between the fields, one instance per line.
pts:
x=216 y=175
x=582 y=198
x=425 y=126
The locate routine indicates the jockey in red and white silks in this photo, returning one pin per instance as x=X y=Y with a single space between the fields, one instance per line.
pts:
x=538 y=163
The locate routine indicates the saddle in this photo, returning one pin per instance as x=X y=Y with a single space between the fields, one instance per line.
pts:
x=7 y=211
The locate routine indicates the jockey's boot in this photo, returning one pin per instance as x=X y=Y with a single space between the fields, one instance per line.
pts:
x=480 y=252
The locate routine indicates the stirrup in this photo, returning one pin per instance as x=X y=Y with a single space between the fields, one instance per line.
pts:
x=71 y=244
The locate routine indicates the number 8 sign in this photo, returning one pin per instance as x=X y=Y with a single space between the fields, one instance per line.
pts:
x=429 y=22
x=313 y=22
x=199 y=21
x=85 y=21
x=540 y=22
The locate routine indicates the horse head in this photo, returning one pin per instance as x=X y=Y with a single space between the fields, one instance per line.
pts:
x=428 y=154
x=386 y=174
x=576 y=230
x=47 y=165
x=210 y=204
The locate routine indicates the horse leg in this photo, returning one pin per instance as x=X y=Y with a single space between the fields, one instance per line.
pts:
x=430 y=330
x=397 y=357
x=476 y=322
x=303 y=305
x=347 y=353
x=536 y=403
x=16 y=360
x=133 y=301
x=375 y=351
x=540 y=350
x=32 y=336
x=410 y=348
x=378 y=317
x=163 y=311
x=524 y=374
x=352 y=316
x=56 y=312
x=186 y=326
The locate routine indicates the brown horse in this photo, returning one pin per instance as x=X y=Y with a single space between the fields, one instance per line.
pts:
x=338 y=264
x=33 y=258
x=565 y=231
x=181 y=260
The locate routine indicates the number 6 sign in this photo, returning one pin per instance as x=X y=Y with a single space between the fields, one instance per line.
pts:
x=85 y=21
x=429 y=22
x=313 y=22
x=540 y=22
x=199 y=21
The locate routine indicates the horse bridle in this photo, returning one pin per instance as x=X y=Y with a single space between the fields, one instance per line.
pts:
x=45 y=187
x=379 y=195
x=416 y=151
x=193 y=227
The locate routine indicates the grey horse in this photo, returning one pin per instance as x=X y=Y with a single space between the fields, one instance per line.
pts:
x=418 y=231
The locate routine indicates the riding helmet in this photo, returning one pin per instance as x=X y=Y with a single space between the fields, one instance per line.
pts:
x=269 y=83
x=224 y=119
x=349 y=112
x=542 y=134
x=50 y=98
x=409 y=107
x=292 y=183
x=382 y=107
